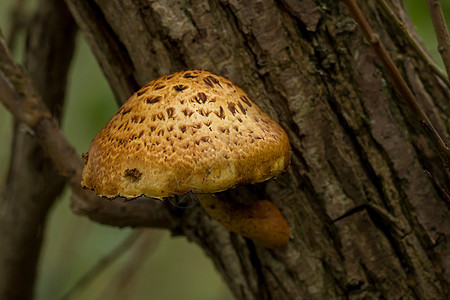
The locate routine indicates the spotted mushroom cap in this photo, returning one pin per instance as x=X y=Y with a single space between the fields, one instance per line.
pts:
x=189 y=131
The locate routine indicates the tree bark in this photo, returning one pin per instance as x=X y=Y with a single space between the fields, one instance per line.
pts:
x=366 y=221
x=32 y=182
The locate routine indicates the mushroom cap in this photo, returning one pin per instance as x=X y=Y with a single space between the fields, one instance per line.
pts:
x=189 y=131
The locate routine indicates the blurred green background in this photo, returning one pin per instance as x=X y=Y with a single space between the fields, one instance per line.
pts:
x=158 y=266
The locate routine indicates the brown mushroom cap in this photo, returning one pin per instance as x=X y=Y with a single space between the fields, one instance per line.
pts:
x=189 y=131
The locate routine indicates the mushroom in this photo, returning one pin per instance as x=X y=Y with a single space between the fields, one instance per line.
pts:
x=193 y=131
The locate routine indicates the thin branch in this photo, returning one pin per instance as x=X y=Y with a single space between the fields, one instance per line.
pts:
x=26 y=105
x=439 y=188
x=422 y=54
x=440 y=27
x=19 y=96
x=397 y=80
x=103 y=264
x=53 y=28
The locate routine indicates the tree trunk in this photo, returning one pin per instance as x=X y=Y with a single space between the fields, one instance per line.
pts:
x=366 y=221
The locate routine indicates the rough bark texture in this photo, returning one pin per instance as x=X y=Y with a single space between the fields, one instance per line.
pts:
x=32 y=183
x=366 y=221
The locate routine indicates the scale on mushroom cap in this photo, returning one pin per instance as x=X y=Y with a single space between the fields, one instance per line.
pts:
x=193 y=131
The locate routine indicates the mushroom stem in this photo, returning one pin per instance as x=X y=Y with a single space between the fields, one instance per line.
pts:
x=260 y=221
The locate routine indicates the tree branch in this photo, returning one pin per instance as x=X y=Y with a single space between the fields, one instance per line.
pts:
x=18 y=95
x=440 y=27
x=25 y=203
x=397 y=80
x=413 y=42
